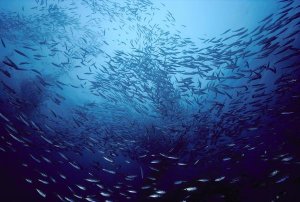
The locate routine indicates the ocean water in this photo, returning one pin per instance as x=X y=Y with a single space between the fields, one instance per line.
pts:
x=149 y=100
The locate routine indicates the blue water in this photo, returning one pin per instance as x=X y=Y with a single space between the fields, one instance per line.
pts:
x=149 y=100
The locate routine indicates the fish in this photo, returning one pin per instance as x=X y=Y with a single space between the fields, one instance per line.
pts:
x=6 y=73
x=74 y=165
x=203 y=180
x=8 y=88
x=162 y=106
x=29 y=181
x=4 y=117
x=219 y=179
x=226 y=32
x=3 y=44
x=190 y=189
x=154 y=196
x=24 y=63
x=109 y=160
x=10 y=63
x=155 y=161
x=109 y=171
x=36 y=71
x=267 y=18
x=81 y=187
x=92 y=180
x=41 y=193
x=21 y=53
x=30 y=48
x=105 y=194
x=283 y=179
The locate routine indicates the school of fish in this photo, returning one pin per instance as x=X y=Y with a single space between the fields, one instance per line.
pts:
x=104 y=101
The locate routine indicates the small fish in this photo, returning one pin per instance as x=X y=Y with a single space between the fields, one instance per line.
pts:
x=219 y=179
x=3 y=44
x=92 y=180
x=179 y=182
x=105 y=194
x=109 y=171
x=8 y=88
x=155 y=161
x=21 y=53
x=154 y=196
x=80 y=78
x=287 y=159
x=282 y=179
x=4 y=117
x=132 y=191
x=169 y=157
x=275 y=172
x=63 y=176
x=81 y=187
x=160 y=191
x=286 y=113
x=36 y=71
x=34 y=158
x=28 y=180
x=107 y=159
x=15 y=138
x=142 y=173
x=46 y=139
x=75 y=166
x=43 y=181
x=46 y=159
x=252 y=129
x=41 y=193
x=190 y=189
x=10 y=63
x=27 y=47
x=90 y=199
x=226 y=32
x=24 y=63
x=6 y=73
